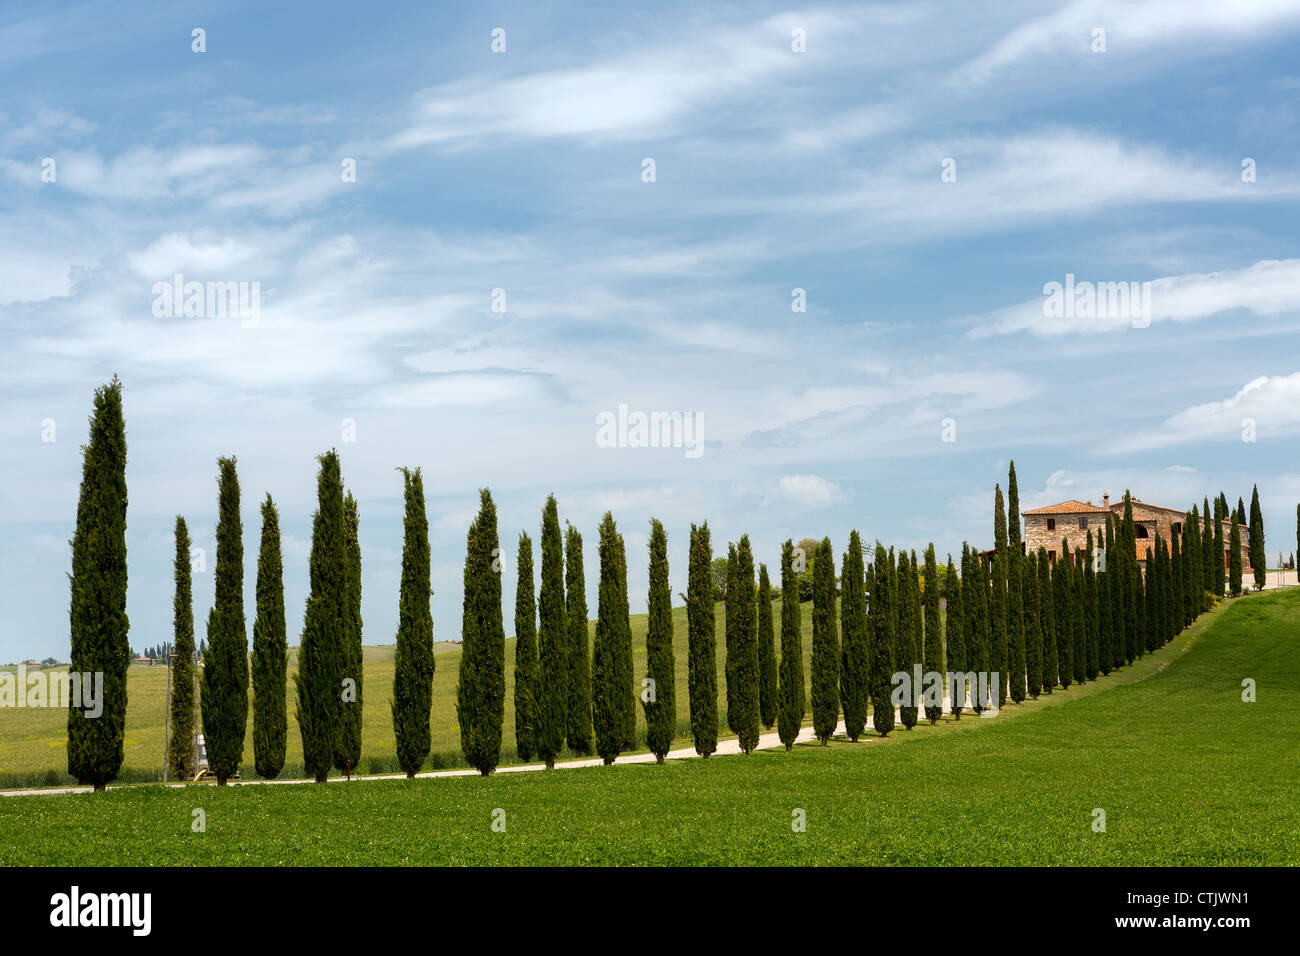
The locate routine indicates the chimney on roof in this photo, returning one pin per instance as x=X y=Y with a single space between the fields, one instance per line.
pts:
x=1105 y=501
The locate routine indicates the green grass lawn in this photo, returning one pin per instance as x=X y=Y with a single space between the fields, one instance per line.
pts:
x=33 y=743
x=1185 y=771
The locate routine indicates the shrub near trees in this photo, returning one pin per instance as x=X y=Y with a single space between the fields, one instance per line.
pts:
x=767 y=680
x=660 y=698
x=317 y=678
x=481 y=687
x=223 y=697
x=270 y=667
x=413 y=661
x=790 y=687
x=702 y=674
x=577 y=645
x=880 y=619
x=551 y=694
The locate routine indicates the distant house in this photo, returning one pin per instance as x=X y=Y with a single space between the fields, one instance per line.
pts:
x=1072 y=520
x=150 y=661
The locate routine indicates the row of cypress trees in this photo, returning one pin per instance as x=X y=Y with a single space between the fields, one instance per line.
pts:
x=1037 y=625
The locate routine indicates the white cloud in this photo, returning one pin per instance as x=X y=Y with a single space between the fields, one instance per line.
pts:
x=1271 y=402
x=811 y=491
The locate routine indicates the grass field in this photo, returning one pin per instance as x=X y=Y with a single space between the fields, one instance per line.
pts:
x=1186 y=772
x=33 y=743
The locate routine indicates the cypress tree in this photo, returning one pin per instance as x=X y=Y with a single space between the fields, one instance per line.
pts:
x=413 y=661
x=97 y=614
x=525 y=652
x=1061 y=580
x=1174 y=611
x=481 y=687
x=911 y=637
x=347 y=751
x=1259 y=563
x=1033 y=637
x=1017 y=663
x=180 y=752
x=1132 y=582
x=702 y=672
x=1078 y=606
x=933 y=629
x=577 y=644
x=729 y=633
x=825 y=646
x=660 y=701
x=627 y=694
x=223 y=697
x=1047 y=610
x=768 y=693
x=1207 y=549
x=606 y=664
x=1092 y=630
x=880 y=619
x=1105 y=620
x=855 y=664
x=270 y=651
x=317 y=678
x=999 y=662
x=789 y=718
x=1220 y=572
x=955 y=631
x=1192 y=565
x=975 y=592
x=742 y=699
x=1234 y=553
x=552 y=694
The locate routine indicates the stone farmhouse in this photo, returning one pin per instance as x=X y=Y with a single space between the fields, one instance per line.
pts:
x=1072 y=520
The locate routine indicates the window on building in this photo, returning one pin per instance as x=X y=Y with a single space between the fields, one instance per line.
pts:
x=1083 y=524
x=1051 y=524
x=1178 y=527
x=1051 y=557
x=1140 y=531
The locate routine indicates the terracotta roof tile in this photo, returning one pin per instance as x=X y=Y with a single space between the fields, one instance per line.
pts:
x=1069 y=507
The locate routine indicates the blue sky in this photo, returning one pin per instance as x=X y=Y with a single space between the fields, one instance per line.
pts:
x=522 y=170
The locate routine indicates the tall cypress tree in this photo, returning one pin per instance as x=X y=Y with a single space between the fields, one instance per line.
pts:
x=789 y=718
x=1063 y=585
x=1078 y=604
x=1047 y=599
x=606 y=663
x=578 y=645
x=955 y=631
x=768 y=693
x=347 y=751
x=1092 y=626
x=413 y=661
x=1033 y=619
x=880 y=619
x=1258 y=561
x=854 y=662
x=825 y=646
x=742 y=700
x=910 y=644
x=975 y=593
x=729 y=632
x=481 y=687
x=660 y=700
x=552 y=687
x=223 y=696
x=1174 y=612
x=180 y=748
x=1105 y=620
x=525 y=652
x=1207 y=548
x=97 y=614
x=1000 y=647
x=1220 y=571
x=270 y=651
x=1132 y=583
x=627 y=693
x=1234 y=552
x=319 y=651
x=933 y=628
x=1016 y=664
x=702 y=672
